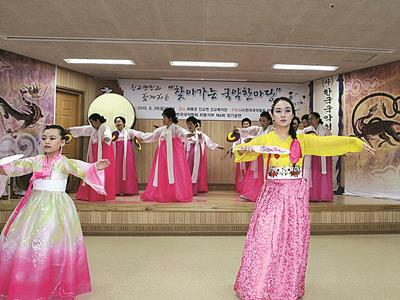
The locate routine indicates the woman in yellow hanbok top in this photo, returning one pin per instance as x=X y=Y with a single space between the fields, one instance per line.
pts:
x=276 y=247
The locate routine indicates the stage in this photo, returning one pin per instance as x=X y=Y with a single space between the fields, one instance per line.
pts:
x=223 y=213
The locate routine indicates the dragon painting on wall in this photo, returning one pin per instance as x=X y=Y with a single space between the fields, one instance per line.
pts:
x=27 y=96
x=381 y=122
x=372 y=113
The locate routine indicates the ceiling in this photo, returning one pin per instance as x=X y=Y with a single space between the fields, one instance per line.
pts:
x=255 y=33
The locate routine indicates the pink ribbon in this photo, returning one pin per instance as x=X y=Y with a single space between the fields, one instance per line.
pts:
x=295 y=151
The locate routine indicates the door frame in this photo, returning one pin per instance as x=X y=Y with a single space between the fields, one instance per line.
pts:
x=81 y=97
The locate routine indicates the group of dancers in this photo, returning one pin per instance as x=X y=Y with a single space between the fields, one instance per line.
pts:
x=181 y=158
x=42 y=250
x=179 y=168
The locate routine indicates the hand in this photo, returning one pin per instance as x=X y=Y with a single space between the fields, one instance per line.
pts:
x=140 y=139
x=244 y=149
x=368 y=148
x=102 y=164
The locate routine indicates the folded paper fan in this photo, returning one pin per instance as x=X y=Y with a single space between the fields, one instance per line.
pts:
x=269 y=149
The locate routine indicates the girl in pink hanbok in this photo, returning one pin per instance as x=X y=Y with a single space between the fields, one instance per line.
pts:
x=321 y=167
x=276 y=247
x=169 y=179
x=42 y=250
x=99 y=147
x=195 y=147
x=125 y=165
x=254 y=177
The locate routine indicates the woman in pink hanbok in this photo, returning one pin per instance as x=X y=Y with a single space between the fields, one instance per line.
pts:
x=241 y=167
x=169 y=179
x=125 y=165
x=195 y=147
x=42 y=250
x=99 y=147
x=320 y=183
x=276 y=247
x=254 y=177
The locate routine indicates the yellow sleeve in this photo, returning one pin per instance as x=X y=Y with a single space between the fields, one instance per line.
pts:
x=330 y=145
x=257 y=141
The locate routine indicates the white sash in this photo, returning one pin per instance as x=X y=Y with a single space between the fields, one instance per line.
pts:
x=170 y=158
x=51 y=185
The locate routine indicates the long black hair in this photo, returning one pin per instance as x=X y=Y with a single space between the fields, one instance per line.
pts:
x=170 y=113
x=292 y=131
x=97 y=117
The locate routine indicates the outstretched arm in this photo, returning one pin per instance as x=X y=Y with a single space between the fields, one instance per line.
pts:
x=91 y=173
x=18 y=167
x=243 y=152
x=210 y=144
x=150 y=137
x=249 y=131
x=78 y=131
x=331 y=145
x=135 y=133
x=13 y=169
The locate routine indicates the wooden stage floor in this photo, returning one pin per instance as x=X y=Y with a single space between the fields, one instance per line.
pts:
x=223 y=213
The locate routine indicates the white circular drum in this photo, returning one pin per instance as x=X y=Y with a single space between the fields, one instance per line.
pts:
x=111 y=106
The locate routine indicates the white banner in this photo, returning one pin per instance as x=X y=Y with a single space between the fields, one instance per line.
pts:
x=209 y=100
x=326 y=102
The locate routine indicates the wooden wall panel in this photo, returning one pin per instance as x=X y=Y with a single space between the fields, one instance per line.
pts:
x=74 y=81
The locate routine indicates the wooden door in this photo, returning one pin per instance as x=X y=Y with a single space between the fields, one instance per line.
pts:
x=68 y=114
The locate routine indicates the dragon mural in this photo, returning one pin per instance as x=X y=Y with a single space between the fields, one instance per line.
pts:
x=23 y=108
x=375 y=124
